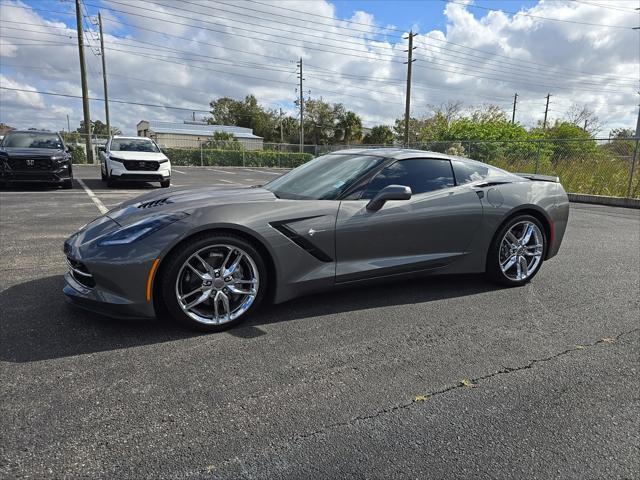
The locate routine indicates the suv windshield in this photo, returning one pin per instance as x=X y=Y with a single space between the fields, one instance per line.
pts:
x=133 y=145
x=32 y=140
x=323 y=178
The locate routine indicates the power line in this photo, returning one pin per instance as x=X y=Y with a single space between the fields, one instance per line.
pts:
x=531 y=72
x=326 y=16
x=253 y=31
x=102 y=99
x=576 y=22
x=244 y=14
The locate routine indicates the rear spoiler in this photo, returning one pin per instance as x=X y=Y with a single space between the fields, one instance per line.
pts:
x=539 y=178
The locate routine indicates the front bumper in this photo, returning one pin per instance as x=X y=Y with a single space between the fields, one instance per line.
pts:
x=117 y=171
x=57 y=175
x=108 y=280
x=103 y=302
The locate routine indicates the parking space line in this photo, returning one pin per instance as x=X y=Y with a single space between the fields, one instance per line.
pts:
x=225 y=181
x=262 y=171
x=220 y=171
x=93 y=197
x=178 y=171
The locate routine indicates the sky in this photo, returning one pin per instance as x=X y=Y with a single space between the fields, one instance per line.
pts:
x=185 y=54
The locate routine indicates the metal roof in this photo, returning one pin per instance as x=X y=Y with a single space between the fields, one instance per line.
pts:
x=197 y=129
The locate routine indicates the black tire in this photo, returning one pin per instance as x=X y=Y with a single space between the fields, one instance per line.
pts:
x=111 y=182
x=103 y=177
x=493 y=269
x=168 y=303
x=68 y=183
x=165 y=183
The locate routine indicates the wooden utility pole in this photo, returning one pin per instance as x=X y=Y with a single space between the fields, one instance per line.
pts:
x=104 y=76
x=515 y=102
x=546 y=112
x=407 y=106
x=301 y=100
x=85 y=88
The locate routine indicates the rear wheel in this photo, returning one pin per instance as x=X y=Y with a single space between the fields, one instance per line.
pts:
x=213 y=282
x=517 y=251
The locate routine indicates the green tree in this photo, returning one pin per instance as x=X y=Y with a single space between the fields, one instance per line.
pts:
x=223 y=141
x=246 y=113
x=321 y=122
x=379 y=135
x=349 y=125
x=415 y=127
x=99 y=128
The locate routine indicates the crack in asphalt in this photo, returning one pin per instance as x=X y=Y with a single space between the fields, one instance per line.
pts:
x=468 y=383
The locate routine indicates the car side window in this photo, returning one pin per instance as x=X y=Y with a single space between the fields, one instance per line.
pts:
x=422 y=175
x=467 y=172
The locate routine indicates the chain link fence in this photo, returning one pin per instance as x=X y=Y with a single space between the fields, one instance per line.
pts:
x=599 y=166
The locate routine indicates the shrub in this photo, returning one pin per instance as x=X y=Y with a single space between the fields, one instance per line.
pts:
x=78 y=155
x=236 y=158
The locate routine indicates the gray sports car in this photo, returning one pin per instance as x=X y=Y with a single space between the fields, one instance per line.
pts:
x=209 y=256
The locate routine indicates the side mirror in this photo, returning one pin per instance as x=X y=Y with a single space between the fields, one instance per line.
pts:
x=102 y=149
x=390 y=192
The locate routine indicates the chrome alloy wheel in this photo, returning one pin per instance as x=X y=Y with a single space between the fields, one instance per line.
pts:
x=521 y=250
x=217 y=284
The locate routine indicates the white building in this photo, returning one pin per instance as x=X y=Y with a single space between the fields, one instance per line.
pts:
x=190 y=134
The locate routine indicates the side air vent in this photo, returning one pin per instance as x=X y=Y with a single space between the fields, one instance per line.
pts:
x=301 y=241
x=154 y=203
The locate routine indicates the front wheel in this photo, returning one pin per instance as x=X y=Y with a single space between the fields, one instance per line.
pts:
x=213 y=282
x=165 y=183
x=517 y=251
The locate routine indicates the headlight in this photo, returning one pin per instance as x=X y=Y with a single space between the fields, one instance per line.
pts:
x=115 y=159
x=59 y=158
x=141 y=229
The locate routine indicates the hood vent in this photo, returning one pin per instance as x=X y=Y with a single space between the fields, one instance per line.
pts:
x=154 y=203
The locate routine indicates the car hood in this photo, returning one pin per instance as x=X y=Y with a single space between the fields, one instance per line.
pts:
x=185 y=199
x=31 y=152
x=149 y=156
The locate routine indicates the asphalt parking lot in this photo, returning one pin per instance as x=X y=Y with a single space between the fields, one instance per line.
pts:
x=437 y=378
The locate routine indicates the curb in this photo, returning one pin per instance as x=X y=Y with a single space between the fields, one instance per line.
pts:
x=602 y=200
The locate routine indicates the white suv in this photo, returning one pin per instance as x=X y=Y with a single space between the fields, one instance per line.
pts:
x=134 y=159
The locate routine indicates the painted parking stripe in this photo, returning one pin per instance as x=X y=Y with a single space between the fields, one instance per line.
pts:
x=262 y=171
x=93 y=197
x=225 y=181
x=221 y=171
x=178 y=171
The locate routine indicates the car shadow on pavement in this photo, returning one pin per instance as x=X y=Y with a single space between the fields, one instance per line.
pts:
x=37 y=323
x=97 y=185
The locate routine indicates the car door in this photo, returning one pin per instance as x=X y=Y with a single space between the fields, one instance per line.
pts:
x=430 y=230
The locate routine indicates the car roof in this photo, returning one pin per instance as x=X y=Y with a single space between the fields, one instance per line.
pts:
x=130 y=138
x=397 y=153
x=30 y=131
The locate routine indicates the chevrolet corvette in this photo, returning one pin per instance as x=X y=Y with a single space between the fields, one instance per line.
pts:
x=209 y=256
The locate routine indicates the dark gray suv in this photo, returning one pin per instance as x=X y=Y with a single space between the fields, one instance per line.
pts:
x=35 y=156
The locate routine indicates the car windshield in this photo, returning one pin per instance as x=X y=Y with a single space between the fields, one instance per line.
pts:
x=132 y=145
x=323 y=178
x=32 y=140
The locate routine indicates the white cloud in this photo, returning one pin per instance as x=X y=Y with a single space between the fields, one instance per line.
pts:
x=546 y=56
